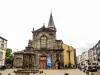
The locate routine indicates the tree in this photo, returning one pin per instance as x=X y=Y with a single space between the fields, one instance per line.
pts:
x=9 y=56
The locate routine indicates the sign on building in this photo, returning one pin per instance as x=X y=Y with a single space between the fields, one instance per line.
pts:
x=49 y=62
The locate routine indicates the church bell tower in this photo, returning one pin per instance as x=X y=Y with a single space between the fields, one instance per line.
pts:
x=51 y=24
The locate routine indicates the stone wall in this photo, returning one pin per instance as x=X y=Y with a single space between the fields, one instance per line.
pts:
x=18 y=60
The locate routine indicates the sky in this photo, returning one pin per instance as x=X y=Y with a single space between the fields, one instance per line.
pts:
x=77 y=21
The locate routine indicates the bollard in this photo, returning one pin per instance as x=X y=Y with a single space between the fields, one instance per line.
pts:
x=66 y=73
x=84 y=71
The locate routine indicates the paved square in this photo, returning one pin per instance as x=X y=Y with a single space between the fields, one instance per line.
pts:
x=49 y=72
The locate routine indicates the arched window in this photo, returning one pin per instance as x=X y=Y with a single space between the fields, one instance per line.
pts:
x=43 y=42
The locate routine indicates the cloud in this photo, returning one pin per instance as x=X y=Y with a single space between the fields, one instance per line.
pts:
x=77 y=21
x=77 y=53
x=80 y=49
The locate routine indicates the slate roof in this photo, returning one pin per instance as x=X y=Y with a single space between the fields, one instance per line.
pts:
x=51 y=22
x=58 y=40
x=43 y=28
x=3 y=38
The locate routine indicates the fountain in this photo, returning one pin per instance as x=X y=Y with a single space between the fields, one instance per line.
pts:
x=29 y=58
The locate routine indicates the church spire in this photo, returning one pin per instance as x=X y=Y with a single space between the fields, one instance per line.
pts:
x=51 y=22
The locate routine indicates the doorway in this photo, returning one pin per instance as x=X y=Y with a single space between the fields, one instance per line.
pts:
x=43 y=62
x=57 y=65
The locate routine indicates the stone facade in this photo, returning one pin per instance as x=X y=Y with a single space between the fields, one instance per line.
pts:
x=42 y=47
x=18 y=59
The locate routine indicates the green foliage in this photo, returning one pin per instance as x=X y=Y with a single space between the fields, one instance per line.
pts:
x=9 y=55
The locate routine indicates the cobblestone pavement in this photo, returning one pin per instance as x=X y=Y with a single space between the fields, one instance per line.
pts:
x=95 y=73
x=7 y=71
x=49 y=72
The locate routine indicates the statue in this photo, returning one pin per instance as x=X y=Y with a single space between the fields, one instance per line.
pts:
x=29 y=43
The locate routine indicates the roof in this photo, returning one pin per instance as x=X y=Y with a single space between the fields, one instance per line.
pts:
x=3 y=38
x=19 y=52
x=43 y=28
x=58 y=40
x=51 y=22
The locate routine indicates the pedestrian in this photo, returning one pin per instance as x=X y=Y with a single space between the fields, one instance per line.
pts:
x=92 y=74
x=87 y=72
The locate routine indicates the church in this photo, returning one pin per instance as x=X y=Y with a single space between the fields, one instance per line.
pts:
x=43 y=51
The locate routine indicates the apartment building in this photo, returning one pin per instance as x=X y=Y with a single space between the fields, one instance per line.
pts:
x=90 y=55
x=85 y=58
x=94 y=54
x=79 y=60
x=3 y=46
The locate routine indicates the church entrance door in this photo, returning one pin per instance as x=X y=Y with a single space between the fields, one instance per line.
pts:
x=43 y=62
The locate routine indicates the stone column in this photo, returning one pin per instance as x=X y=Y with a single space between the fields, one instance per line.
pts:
x=37 y=60
x=23 y=61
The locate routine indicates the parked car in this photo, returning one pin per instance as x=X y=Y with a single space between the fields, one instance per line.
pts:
x=91 y=68
x=82 y=67
x=79 y=67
